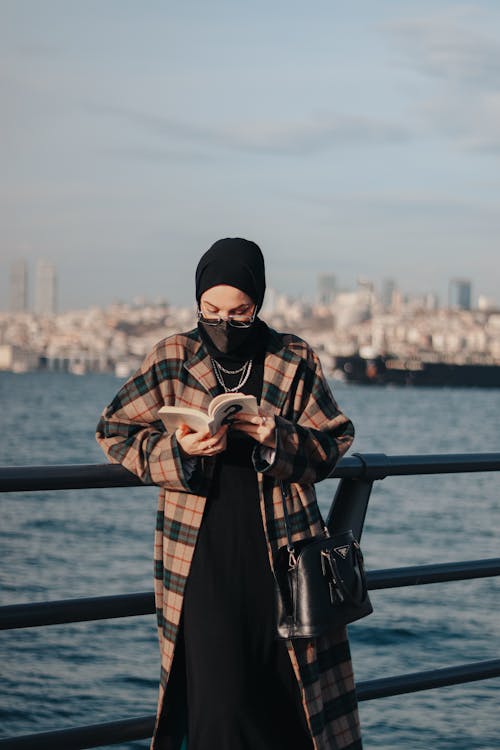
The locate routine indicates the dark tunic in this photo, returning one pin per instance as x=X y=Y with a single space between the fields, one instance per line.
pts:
x=240 y=687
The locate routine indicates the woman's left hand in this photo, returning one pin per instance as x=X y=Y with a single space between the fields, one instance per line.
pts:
x=261 y=428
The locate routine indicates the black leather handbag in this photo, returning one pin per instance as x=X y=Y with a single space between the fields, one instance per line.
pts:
x=321 y=583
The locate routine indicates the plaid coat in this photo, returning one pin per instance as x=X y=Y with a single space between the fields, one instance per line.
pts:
x=311 y=436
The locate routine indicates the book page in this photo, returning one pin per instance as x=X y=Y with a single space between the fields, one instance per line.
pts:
x=173 y=416
x=223 y=408
x=232 y=398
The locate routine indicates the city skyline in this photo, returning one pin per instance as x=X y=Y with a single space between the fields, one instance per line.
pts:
x=41 y=297
x=348 y=140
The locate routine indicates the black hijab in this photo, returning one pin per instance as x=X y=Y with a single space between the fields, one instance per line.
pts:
x=236 y=262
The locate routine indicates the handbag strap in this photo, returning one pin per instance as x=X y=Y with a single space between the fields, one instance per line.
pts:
x=292 y=560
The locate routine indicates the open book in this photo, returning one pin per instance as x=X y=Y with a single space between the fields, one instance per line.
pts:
x=221 y=410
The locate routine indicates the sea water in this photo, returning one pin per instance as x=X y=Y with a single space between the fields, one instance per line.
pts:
x=62 y=545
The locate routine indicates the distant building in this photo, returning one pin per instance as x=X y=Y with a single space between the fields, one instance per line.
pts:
x=327 y=288
x=19 y=286
x=365 y=284
x=387 y=293
x=431 y=301
x=486 y=303
x=460 y=294
x=269 y=306
x=45 y=288
x=366 y=294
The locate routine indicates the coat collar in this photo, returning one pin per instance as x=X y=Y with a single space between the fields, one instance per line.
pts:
x=280 y=365
x=200 y=368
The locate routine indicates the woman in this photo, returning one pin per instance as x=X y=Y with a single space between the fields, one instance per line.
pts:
x=220 y=521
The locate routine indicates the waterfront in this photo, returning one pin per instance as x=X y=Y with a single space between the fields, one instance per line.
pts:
x=354 y=325
x=63 y=545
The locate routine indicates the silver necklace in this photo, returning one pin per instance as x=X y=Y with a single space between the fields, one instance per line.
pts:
x=245 y=374
x=230 y=372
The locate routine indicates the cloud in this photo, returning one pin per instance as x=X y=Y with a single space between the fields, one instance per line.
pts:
x=300 y=138
x=461 y=54
x=448 y=46
x=402 y=204
x=315 y=135
x=158 y=155
x=473 y=122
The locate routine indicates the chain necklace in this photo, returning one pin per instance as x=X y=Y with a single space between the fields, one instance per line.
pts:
x=245 y=374
x=230 y=372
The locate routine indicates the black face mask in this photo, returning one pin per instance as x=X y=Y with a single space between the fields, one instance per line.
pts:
x=226 y=338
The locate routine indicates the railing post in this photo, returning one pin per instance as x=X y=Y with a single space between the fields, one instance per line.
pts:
x=348 y=508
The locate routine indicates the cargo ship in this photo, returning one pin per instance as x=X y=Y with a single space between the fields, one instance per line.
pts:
x=387 y=370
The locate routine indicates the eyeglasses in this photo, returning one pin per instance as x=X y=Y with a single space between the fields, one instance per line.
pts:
x=236 y=321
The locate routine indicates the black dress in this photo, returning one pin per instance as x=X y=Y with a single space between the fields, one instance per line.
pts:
x=240 y=687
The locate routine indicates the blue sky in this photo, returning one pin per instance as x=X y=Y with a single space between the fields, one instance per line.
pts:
x=356 y=138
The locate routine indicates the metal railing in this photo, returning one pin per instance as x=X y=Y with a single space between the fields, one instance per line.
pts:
x=357 y=474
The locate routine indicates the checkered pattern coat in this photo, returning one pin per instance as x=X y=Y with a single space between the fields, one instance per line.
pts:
x=311 y=436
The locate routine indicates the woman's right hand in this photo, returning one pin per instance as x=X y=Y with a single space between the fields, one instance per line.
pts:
x=201 y=443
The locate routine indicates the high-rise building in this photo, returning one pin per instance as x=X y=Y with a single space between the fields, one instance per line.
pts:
x=327 y=288
x=460 y=294
x=46 y=288
x=387 y=293
x=19 y=286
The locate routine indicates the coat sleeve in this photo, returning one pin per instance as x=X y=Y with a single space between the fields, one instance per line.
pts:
x=130 y=432
x=309 y=445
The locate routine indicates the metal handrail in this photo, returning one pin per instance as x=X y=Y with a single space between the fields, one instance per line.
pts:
x=370 y=466
x=357 y=472
x=414 y=682
x=141 y=727
x=39 y=614
x=78 y=738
